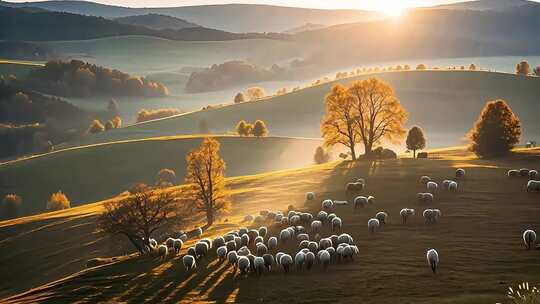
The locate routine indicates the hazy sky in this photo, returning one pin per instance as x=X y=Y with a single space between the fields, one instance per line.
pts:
x=355 y=4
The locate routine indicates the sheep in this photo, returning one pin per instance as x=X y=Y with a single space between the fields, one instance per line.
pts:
x=316 y=226
x=373 y=225
x=303 y=244
x=325 y=243
x=278 y=218
x=292 y=231
x=306 y=217
x=446 y=183
x=242 y=231
x=218 y=242
x=284 y=235
x=529 y=238
x=336 y=224
x=261 y=249
x=452 y=187
x=371 y=200
x=322 y=216
x=278 y=257
x=347 y=252
x=232 y=257
x=291 y=213
x=243 y=264
x=201 y=249
x=524 y=172
x=153 y=243
x=344 y=238
x=432 y=215
x=405 y=214
x=330 y=217
x=189 y=262
x=334 y=239
x=302 y=237
x=231 y=245
x=355 y=187
x=169 y=242
x=310 y=196
x=433 y=259
x=221 y=253
x=299 y=229
x=244 y=251
x=253 y=234
x=512 y=173
x=177 y=245
x=263 y=231
x=191 y=251
x=324 y=258
x=360 y=201
x=285 y=261
x=432 y=186
x=460 y=173
x=272 y=243
x=295 y=220
x=268 y=261
x=332 y=251
x=228 y=237
x=198 y=232
x=284 y=221
x=248 y=218
x=259 y=265
x=299 y=259
x=183 y=237
x=425 y=197
x=533 y=174
x=163 y=251
x=313 y=246
x=258 y=240
x=327 y=204
x=245 y=240
x=309 y=260
x=207 y=241
x=381 y=216
x=425 y=179
x=533 y=186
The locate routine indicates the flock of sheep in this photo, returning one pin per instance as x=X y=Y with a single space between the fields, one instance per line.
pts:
x=258 y=251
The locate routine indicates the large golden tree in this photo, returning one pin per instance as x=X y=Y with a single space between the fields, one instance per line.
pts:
x=206 y=180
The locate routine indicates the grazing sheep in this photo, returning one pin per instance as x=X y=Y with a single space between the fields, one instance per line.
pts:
x=303 y=244
x=425 y=197
x=163 y=251
x=243 y=264
x=446 y=183
x=325 y=243
x=309 y=260
x=259 y=265
x=310 y=196
x=533 y=174
x=324 y=258
x=360 y=201
x=248 y=218
x=299 y=229
x=268 y=261
x=253 y=234
x=335 y=240
x=263 y=231
x=251 y=258
x=169 y=242
x=183 y=237
x=189 y=262
x=284 y=235
x=244 y=251
x=232 y=257
x=425 y=179
x=336 y=224
x=201 y=249
x=381 y=216
x=322 y=216
x=327 y=204
x=331 y=216
x=355 y=187
x=453 y=186
x=524 y=172
x=295 y=220
x=286 y=261
x=284 y=221
x=373 y=225
x=302 y=237
x=278 y=257
x=405 y=214
x=529 y=238
x=433 y=259
x=218 y=242
x=371 y=200
x=272 y=243
x=231 y=245
x=432 y=186
x=316 y=226
x=533 y=186
x=313 y=247
x=177 y=245
x=512 y=173
x=299 y=259
x=344 y=238
x=306 y=217
x=191 y=251
x=198 y=232
x=258 y=240
x=245 y=240
x=208 y=242
x=221 y=253
x=261 y=249
x=460 y=173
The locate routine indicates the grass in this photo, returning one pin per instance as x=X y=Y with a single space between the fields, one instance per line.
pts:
x=478 y=240
x=444 y=103
x=19 y=69
x=91 y=173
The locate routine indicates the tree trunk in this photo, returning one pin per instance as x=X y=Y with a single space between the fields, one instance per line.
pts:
x=414 y=153
x=209 y=217
x=353 y=153
x=368 y=150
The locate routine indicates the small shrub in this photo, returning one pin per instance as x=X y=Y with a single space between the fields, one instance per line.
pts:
x=421 y=67
x=241 y=128
x=523 y=68
x=422 y=155
x=321 y=155
x=239 y=98
x=138 y=188
x=259 y=129
x=146 y=115
x=9 y=206
x=58 y=201
x=96 y=127
x=472 y=67
x=166 y=177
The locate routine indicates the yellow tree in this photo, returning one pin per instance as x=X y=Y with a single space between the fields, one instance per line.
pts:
x=378 y=113
x=338 y=125
x=206 y=180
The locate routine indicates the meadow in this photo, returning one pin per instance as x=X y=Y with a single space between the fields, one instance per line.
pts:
x=478 y=239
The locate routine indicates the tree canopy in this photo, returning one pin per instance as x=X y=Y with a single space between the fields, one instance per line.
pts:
x=415 y=140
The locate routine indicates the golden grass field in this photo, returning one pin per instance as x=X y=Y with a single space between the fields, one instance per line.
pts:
x=478 y=239
x=91 y=173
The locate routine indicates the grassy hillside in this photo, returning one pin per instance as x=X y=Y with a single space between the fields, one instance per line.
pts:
x=104 y=171
x=478 y=239
x=444 y=103
x=156 y=21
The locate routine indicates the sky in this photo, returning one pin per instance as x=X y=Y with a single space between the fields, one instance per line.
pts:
x=325 y=4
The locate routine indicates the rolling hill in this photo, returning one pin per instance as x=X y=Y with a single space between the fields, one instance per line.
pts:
x=460 y=95
x=157 y=22
x=106 y=170
x=237 y=18
x=481 y=5
x=478 y=239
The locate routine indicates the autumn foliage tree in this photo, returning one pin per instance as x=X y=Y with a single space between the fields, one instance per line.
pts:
x=241 y=128
x=496 y=131
x=166 y=177
x=255 y=93
x=415 y=140
x=9 y=206
x=205 y=177
x=58 y=201
x=259 y=129
x=140 y=215
x=321 y=156
x=523 y=68
x=96 y=127
x=239 y=98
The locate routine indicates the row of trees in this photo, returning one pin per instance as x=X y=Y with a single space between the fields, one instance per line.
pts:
x=11 y=204
x=146 y=115
x=258 y=129
x=251 y=94
x=97 y=127
x=523 y=68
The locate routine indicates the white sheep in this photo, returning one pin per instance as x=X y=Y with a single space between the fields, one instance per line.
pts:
x=253 y=234
x=198 y=232
x=221 y=253
x=341 y=203
x=381 y=216
x=425 y=197
x=371 y=200
x=218 y=242
x=284 y=235
x=201 y=249
x=153 y=243
x=316 y=226
x=373 y=225
x=244 y=251
x=322 y=216
x=278 y=257
x=183 y=237
x=231 y=245
x=460 y=173
x=286 y=261
x=169 y=242
x=433 y=259
x=533 y=174
x=299 y=259
x=446 y=183
x=512 y=173
x=313 y=246
x=302 y=237
x=268 y=261
x=177 y=245
x=324 y=258
x=309 y=260
x=243 y=264
x=310 y=196
x=529 y=238
x=258 y=240
x=189 y=262
x=242 y=231
x=263 y=231
x=327 y=204
x=336 y=224
x=163 y=251
x=425 y=179
x=232 y=258
x=360 y=201
x=261 y=249
x=259 y=265
x=245 y=239
x=343 y=238
x=533 y=186
x=355 y=186
x=432 y=186
x=325 y=243
x=272 y=243
x=330 y=217
x=295 y=220
x=524 y=172
x=406 y=213
x=453 y=186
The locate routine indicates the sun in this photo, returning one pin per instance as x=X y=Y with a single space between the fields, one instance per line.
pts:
x=393 y=10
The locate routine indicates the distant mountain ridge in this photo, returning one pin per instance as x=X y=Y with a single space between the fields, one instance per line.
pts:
x=157 y=22
x=237 y=18
x=481 y=5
